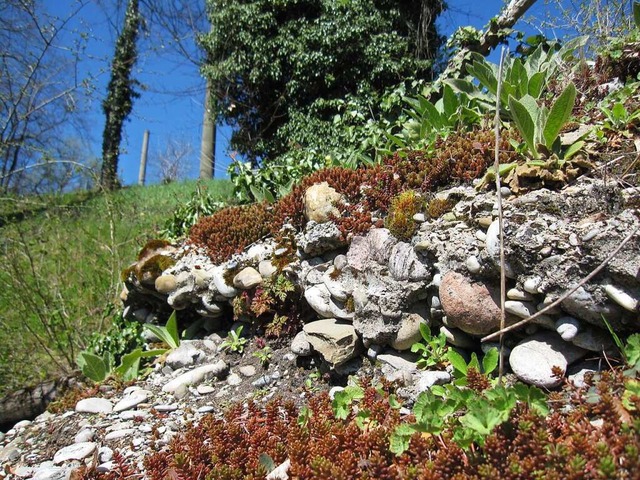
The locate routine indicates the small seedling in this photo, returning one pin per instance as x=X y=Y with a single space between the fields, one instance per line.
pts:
x=234 y=342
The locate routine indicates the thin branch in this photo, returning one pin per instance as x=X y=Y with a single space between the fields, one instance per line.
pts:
x=496 y=166
x=566 y=295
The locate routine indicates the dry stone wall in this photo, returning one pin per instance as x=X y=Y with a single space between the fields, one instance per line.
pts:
x=369 y=295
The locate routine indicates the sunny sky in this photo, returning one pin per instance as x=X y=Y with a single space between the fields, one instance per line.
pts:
x=171 y=117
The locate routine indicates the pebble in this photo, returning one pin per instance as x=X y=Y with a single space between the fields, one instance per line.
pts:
x=531 y=285
x=165 y=407
x=622 y=298
x=130 y=401
x=77 y=451
x=263 y=381
x=590 y=235
x=206 y=409
x=116 y=434
x=22 y=424
x=205 y=389
x=300 y=345
x=195 y=376
x=84 y=435
x=247 y=370
x=94 y=405
x=515 y=294
x=430 y=378
x=567 y=328
x=234 y=379
x=472 y=264
x=520 y=309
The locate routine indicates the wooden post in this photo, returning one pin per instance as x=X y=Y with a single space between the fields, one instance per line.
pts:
x=143 y=158
x=208 y=139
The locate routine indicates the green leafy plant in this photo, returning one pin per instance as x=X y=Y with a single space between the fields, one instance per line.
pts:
x=167 y=333
x=461 y=368
x=343 y=399
x=264 y=355
x=234 y=341
x=98 y=368
x=540 y=127
x=433 y=349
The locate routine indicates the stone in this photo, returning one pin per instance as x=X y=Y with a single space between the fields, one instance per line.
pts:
x=77 y=451
x=205 y=389
x=567 y=328
x=319 y=202
x=234 y=379
x=118 y=434
x=469 y=306
x=576 y=373
x=622 y=298
x=492 y=245
x=472 y=264
x=263 y=381
x=404 y=264
x=221 y=285
x=166 y=283
x=319 y=298
x=400 y=361
x=520 y=309
x=196 y=376
x=320 y=238
x=132 y=400
x=381 y=244
x=594 y=340
x=409 y=332
x=267 y=269
x=247 y=370
x=515 y=294
x=280 y=472
x=300 y=345
x=247 y=279
x=84 y=435
x=337 y=342
x=94 y=405
x=531 y=285
x=334 y=285
x=358 y=254
x=166 y=407
x=533 y=358
x=51 y=473
x=428 y=379
x=457 y=338
x=587 y=306
x=185 y=355
x=340 y=262
x=11 y=451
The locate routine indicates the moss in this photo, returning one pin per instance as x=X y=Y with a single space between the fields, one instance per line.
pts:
x=400 y=221
x=152 y=268
x=439 y=206
x=151 y=246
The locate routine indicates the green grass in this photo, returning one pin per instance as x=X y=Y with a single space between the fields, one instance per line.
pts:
x=61 y=261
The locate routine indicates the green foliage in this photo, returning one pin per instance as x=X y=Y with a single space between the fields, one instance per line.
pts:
x=461 y=368
x=187 y=214
x=98 y=368
x=264 y=355
x=122 y=337
x=540 y=127
x=272 y=60
x=234 y=341
x=433 y=349
x=343 y=399
x=471 y=415
x=167 y=333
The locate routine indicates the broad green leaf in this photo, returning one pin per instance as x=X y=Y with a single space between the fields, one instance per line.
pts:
x=524 y=122
x=490 y=361
x=433 y=116
x=519 y=78
x=484 y=74
x=172 y=330
x=129 y=366
x=425 y=331
x=449 y=101
x=400 y=439
x=457 y=361
x=92 y=366
x=536 y=84
x=559 y=114
x=573 y=149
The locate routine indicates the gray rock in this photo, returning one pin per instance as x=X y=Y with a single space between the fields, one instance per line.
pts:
x=166 y=407
x=457 y=338
x=340 y=262
x=263 y=381
x=373 y=351
x=185 y=355
x=381 y=244
x=594 y=340
x=205 y=389
x=84 y=435
x=11 y=451
x=234 y=379
x=409 y=331
x=320 y=238
x=400 y=361
x=247 y=370
x=533 y=358
x=404 y=264
x=300 y=345
x=77 y=451
x=336 y=342
x=492 y=245
x=118 y=434
x=519 y=308
x=51 y=473
x=590 y=307
x=428 y=379
x=94 y=405
x=267 y=269
x=247 y=279
x=335 y=286
x=196 y=376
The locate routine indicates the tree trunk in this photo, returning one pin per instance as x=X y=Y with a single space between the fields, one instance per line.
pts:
x=490 y=38
x=208 y=140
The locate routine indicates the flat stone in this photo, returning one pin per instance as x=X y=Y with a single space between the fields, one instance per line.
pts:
x=533 y=358
x=247 y=279
x=51 y=473
x=400 y=361
x=300 y=345
x=77 y=451
x=166 y=407
x=205 y=389
x=234 y=379
x=132 y=400
x=247 y=370
x=430 y=378
x=196 y=376
x=94 y=405
x=520 y=309
x=336 y=342
x=84 y=435
x=117 y=434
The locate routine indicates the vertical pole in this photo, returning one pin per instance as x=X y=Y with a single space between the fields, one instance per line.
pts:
x=143 y=158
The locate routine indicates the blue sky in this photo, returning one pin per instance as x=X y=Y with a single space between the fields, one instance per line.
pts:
x=173 y=117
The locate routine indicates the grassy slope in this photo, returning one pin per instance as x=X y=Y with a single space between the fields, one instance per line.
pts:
x=61 y=258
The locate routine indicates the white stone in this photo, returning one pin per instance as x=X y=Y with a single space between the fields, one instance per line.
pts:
x=335 y=286
x=195 y=376
x=336 y=342
x=94 y=405
x=77 y=451
x=318 y=297
x=532 y=285
x=115 y=435
x=622 y=298
x=457 y=337
x=247 y=279
x=132 y=400
x=22 y=424
x=185 y=355
x=247 y=370
x=520 y=309
x=221 y=285
x=515 y=294
x=472 y=264
x=430 y=378
x=533 y=358
x=205 y=389
x=84 y=435
x=567 y=328
x=267 y=269
x=234 y=379
x=409 y=332
x=405 y=362
x=51 y=473
x=280 y=472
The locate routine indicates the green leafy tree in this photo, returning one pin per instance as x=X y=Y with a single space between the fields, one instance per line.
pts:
x=120 y=94
x=274 y=62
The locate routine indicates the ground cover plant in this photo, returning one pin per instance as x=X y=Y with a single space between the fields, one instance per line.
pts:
x=60 y=282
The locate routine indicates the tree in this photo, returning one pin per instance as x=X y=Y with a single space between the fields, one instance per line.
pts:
x=120 y=94
x=40 y=96
x=271 y=61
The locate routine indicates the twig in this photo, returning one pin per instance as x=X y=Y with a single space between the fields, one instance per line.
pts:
x=496 y=166
x=566 y=295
